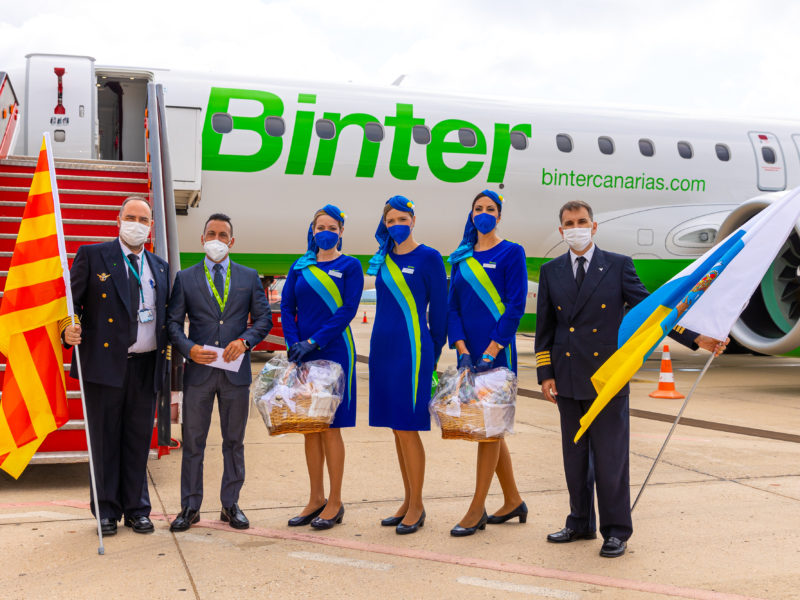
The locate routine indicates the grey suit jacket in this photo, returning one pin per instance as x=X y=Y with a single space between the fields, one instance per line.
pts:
x=208 y=326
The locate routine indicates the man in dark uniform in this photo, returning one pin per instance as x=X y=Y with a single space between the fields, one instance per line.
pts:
x=218 y=296
x=120 y=291
x=582 y=299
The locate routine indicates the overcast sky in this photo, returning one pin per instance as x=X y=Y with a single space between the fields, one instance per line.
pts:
x=720 y=57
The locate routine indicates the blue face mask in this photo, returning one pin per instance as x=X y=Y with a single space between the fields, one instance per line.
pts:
x=399 y=233
x=326 y=239
x=484 y=222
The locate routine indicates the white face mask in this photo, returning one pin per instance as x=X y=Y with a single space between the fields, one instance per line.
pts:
x=578 y=238
x=216 y=250
x=132 y=233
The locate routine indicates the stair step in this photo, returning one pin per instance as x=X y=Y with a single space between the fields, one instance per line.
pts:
x=9 y=254
x=87 y=222
x=67 y=238
x=87 y=164
x=98 y=179
x=25 y=190
x=70 y=395
x=65 y=206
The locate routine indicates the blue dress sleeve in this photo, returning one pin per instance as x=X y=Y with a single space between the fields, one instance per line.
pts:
x=289 y=309
x=353 y=280
x=437 y=304
x=455 y=327
x=514 y=296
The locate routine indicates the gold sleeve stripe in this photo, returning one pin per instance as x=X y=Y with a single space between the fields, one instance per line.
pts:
x=542 y=362
x=679 y=329
x=67 y=321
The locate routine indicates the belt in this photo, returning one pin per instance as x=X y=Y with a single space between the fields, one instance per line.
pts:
x=140 y=355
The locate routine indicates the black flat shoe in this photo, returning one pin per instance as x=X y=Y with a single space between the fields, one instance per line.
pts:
x=185 y=519
x=403 y=529
x=569 y=535
x=299 y=520
x=108 y=527
x=392 y=521
x=234 y=516
x=613 y=547
x=521 y=511
x=459 y=531
x=140 y=524
x=319 y=523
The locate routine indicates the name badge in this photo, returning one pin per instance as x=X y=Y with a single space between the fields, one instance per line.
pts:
x=146 y=315
x=335 y=273
x=409 y=270
x=489 y=266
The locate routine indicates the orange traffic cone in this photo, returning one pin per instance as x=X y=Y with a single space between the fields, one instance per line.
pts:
x=666 y=380
x=364 y=320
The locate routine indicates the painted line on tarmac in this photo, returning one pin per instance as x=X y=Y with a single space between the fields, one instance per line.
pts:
x=530 y=590
x=340 y=560
x=479 y=563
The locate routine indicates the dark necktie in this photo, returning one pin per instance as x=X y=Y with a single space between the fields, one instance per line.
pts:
x=219 y=281
x=580 y=274
x=133 y=294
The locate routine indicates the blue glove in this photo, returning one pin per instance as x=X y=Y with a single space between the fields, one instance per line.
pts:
x=297 y=352
x=486 y=363
x=465 y=361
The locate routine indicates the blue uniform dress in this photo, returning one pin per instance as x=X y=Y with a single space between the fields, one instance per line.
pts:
x=405 y=342
x=470 y=318
x=304 y=314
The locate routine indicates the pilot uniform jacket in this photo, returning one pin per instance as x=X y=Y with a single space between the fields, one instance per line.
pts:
x=210 y=326
x=576 y=330
x=99 y=283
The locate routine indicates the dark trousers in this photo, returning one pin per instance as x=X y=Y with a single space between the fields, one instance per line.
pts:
x=120 y=422
x=600 y=460
x=234 y=406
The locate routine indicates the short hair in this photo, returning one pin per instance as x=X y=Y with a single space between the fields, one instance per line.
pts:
x=218 y=217
x=131 y=199
x=575 y=205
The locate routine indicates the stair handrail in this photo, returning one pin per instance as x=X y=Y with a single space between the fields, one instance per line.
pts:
x=9 y=115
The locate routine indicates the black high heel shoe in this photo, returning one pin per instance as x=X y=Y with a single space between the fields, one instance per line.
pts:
x=403 y=529
x=392 y=521
x=521 y=511
x=459 y=531
x=319 y=523
x=299 y=521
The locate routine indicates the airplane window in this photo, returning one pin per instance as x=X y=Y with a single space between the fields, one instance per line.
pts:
x=723 y=152
x=768 y=154
x=646 y=147
x=422 y=135
x=274 y=126
x=685 y=150
x=374 y=132
x=606 y=144
x=564 y=142
x=222 y=122
x=325 y=129
x=519 y=141
x=467 y=137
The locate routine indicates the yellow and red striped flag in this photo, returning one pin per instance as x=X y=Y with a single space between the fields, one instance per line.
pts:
x=34 y=400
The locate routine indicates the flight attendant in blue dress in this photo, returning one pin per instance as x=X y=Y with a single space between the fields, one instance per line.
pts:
x=319 y=299
x=488 y=289
x=407 y=338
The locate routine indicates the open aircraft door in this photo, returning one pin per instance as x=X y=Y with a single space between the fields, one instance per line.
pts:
x=183 y=133
x=60 y=98
x=769 y=161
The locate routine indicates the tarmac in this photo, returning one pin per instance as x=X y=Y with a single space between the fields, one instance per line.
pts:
x=719 y=520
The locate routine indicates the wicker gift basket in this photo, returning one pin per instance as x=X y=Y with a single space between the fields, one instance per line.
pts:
x=296 y=398
x=477 y=407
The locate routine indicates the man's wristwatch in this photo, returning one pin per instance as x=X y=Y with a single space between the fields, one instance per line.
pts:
x=246 y=344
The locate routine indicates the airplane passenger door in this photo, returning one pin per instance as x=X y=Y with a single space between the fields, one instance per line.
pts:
x=183 y=133
x=769 y=161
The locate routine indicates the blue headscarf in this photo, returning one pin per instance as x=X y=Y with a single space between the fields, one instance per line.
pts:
x=382 y=233
x=310 y=257
x=470 y=238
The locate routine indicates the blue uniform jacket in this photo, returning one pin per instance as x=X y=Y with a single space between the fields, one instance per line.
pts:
x=576 y=331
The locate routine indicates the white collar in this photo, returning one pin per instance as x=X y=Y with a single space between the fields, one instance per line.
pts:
x=126 y=251
x=588 y=255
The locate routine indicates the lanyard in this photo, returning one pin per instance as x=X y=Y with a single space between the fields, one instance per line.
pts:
x=221 y=301
x=135 y=274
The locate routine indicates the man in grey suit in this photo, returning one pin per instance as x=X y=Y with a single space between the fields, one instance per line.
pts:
x=218 y=295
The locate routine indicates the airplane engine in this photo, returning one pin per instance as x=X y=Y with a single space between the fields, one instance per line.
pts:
x=771 y=322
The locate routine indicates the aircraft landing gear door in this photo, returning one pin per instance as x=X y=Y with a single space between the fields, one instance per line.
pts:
x=769 y=161
x=60 y=98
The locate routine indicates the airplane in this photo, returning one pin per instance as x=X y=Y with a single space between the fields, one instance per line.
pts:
x=269 y=152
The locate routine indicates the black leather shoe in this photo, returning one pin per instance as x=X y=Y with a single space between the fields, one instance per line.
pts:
x=613 y=547
x=392 y=521
x=301 y=520
x=108 y=526
x=403 y=529
x=185 y=519
x=140 y=524
x=459 y=531
x=320 y=523
x=234 y=516
x=521 y=511
x=569 y=535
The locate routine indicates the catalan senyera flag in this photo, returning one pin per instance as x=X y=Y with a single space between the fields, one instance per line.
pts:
x=33 y=308
x=707 y=297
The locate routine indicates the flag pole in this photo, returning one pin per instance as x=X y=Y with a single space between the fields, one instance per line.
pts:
x=62 y=251
x=672 y=429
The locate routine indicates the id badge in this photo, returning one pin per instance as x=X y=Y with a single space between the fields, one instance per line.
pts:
x=145 y=315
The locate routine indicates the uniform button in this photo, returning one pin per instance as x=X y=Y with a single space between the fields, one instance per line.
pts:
x=596 y=354
x=602 y=306
x=103 y=295
x=221 y=322
x=559 y=308
x=216 y=341
x=110 y=320
x=572 y=329
x=105 y=345
x=594 y=330
x=162 y=352
x=567 y=353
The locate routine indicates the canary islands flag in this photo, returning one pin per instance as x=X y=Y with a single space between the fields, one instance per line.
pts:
x=731 y=270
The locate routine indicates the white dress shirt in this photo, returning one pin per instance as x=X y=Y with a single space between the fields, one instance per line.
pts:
x=146 y=332
x=574 y=260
